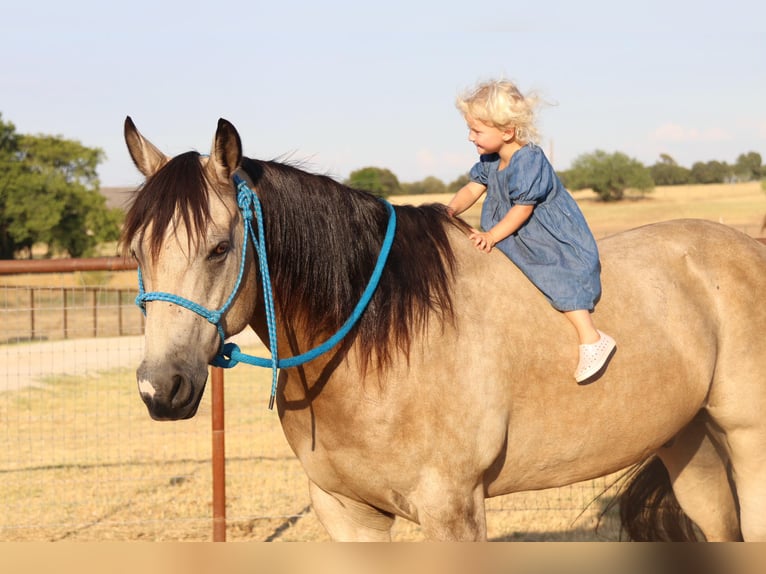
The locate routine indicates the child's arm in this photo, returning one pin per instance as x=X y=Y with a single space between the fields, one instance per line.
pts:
x=514 y=219
x=465 y=197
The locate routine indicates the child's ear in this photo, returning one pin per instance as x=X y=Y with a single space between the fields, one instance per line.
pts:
x=509 y=135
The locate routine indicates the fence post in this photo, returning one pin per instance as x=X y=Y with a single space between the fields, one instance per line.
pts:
x=32 y=314
x=95 y=311
x=64 y=292
x=219 y=456
x=119 y=312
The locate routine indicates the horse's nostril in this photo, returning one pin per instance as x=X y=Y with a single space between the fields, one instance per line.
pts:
x=178 y=382
x=181 y=393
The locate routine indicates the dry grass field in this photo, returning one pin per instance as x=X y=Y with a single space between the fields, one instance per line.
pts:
x=82 y=461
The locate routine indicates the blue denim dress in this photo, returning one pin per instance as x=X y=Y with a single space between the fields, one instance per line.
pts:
x=554 y=248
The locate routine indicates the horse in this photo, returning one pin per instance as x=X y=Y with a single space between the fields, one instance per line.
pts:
x=455 y=383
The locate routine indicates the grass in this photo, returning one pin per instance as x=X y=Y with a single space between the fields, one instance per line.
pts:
x=83 y=461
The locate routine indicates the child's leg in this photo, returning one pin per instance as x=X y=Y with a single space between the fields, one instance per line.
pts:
x=596 y=348
x=583 y=323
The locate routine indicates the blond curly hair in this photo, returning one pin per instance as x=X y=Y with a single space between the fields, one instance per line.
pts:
x=501 y=104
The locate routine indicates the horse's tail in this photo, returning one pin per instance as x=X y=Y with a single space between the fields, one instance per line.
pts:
x=649 y=510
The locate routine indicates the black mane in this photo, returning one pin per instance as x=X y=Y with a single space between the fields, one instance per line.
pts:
x=179 y=189
x=323 y=240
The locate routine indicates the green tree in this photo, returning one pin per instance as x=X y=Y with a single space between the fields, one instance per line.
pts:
x=710 y=172
x=49 y=194
x=430 y=184
x=378 y=181
x=9 y=172
x=748 y=166
x=458 y=183
x=609 y=175
x=667 y=172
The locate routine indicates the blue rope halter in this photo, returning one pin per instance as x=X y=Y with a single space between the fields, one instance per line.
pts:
x=229 y=354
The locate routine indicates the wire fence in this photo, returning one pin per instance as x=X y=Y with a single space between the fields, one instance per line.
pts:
x=46 y=313
x=82 y=460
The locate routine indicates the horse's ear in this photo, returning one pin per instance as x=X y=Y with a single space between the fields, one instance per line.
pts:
x=227 y=150
x=148 y=159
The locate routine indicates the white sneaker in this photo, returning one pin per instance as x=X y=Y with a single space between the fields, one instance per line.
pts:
x=594 y=356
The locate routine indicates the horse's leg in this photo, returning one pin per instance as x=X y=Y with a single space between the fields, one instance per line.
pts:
x=448 y=513
x=349 y=520
x=701 y=484
x=737 y=403
x=748 y=455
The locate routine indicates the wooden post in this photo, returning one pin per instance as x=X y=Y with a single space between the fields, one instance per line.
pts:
x=219 y=457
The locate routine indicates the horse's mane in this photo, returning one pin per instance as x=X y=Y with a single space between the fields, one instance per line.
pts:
x=322 y=239
x=179 y=189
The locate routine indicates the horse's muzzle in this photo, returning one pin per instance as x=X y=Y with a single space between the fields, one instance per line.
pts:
x=170 y=393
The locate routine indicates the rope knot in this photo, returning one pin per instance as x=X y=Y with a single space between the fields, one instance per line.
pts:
x=245 y=202
x=245 y=198
x=225 y=357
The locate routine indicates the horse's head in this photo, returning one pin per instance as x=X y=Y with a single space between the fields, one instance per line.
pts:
x=186 y=232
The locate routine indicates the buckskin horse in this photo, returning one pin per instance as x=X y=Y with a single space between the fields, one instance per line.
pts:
x=453 y=382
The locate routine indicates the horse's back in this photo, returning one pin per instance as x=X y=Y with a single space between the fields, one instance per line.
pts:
x=715 y=245
x=694 y=275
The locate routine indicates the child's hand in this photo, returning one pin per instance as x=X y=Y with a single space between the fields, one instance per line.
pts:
x=482 y=240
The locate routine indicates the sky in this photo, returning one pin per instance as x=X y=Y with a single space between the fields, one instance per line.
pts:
x=341 y=85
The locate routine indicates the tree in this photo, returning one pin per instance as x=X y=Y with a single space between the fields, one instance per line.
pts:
x=609 y=175
x=710 y=172
x=667 y=172
x=9 y=144
x=49 y=194
x=378 y=181
x=456 y=185
x=430 y=184
x=748 y=166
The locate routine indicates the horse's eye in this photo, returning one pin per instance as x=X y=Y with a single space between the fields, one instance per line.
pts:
x=219 y=250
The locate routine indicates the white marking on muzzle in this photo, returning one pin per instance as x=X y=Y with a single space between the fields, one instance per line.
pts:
x=146 y=388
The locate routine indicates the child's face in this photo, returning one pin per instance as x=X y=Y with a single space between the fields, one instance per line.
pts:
x=487 y=139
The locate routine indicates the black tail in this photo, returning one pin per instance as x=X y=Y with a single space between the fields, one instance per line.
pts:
x=649 y=511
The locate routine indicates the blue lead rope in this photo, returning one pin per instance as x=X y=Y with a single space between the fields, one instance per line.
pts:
x=229 y=354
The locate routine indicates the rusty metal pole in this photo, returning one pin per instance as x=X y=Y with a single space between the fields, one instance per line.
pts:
x=65 y=298
x=219 y=457
x=94 y=303
x=18 y=266
x=32 y=334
